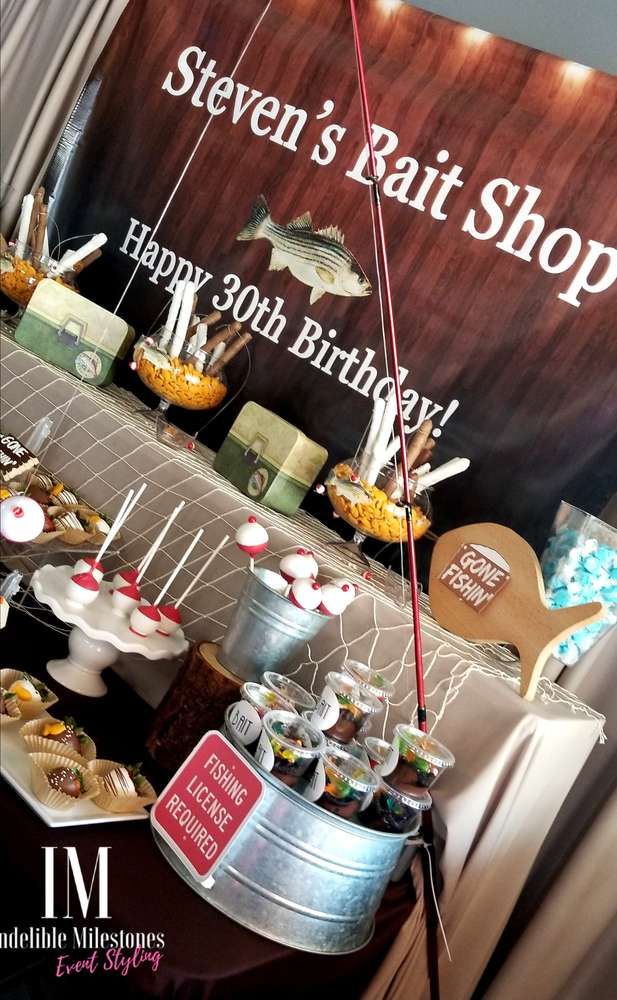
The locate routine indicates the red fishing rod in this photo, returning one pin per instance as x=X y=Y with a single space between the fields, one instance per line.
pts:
x=428 y=856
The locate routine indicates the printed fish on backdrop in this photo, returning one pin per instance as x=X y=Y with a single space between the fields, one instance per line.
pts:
x=316 y=257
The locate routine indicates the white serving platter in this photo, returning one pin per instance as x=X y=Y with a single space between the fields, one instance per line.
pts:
x=15 y=768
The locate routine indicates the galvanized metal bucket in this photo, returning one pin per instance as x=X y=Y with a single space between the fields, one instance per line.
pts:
x=267 y=631
x=300 y=875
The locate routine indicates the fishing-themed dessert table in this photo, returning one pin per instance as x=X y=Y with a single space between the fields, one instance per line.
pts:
x=506 y=747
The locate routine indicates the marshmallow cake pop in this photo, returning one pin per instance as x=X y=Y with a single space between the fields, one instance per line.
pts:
x=21 y=519
x=300 y=564
x=305 y=593
x=252 y=537
x=335 y=599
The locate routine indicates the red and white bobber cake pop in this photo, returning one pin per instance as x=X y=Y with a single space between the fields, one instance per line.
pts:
x=299 y=565
x=82 y=589
x=125 y=599
x=342 y=581
x=335 y=599
x=252 y=537
x=90 y=565
x=21 y=519
x=306 y=594
x=145 y=620
x=171 y=619
x=125 y=578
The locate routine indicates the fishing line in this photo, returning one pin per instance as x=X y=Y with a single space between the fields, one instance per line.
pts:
x=55 y=435
x=401 y=543
x=192 y=155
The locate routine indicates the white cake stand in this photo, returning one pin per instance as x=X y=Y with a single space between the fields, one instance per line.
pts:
x=99 y=635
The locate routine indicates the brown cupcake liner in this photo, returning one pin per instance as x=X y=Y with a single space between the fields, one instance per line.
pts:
x=120 y=803
x=41 y=764
x=37 y=743
x=28 y=709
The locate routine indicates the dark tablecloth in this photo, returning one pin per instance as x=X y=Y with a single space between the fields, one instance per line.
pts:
x=206 y=956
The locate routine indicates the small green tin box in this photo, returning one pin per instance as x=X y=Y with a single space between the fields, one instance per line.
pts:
x=269 y=459
x=73 y=333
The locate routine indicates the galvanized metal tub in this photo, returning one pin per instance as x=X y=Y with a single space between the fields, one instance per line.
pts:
x=267 y=631
x=300 y=875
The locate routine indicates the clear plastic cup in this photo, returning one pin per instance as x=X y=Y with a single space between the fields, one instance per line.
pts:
x=264 y=699
x=350 y=784
x=377 y=750
x=288 y=745
x=353 y=747
x=289 y=690
x=421 y=759
x=393 y=811
x=344 y=707
x=372 y=680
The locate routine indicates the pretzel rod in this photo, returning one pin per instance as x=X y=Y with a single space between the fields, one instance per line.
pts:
x=24 y=225
x=230 y=353
x=379 y=406
x=203 y=569
x=445 y=471
x=175 y=572
x=172 y=316
x=418 y=442
x=39 y=198
x=222 y=336
x=150 y=554
x=39 y=234
x=200 y=328
x=81 y=265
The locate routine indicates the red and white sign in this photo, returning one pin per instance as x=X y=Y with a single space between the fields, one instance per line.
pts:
x=206 y=803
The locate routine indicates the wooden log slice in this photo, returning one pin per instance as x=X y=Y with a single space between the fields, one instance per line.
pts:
x=196 y=702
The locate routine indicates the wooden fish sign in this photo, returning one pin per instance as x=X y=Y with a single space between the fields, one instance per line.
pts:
x=486 y=585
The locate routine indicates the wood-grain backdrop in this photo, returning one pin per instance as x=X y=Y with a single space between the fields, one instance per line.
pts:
x=535 y=376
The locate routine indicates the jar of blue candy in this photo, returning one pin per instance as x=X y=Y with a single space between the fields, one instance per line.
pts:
x=579 y=564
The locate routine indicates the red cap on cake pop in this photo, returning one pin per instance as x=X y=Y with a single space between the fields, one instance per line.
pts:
x=85 y=580
x=306 y=594
x=129 y=591
x=130 y=575
x=252 y=537
x=149 y=611
x=93 y=563
x=170 y=612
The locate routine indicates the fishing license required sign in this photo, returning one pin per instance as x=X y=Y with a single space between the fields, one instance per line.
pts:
x=206 y=803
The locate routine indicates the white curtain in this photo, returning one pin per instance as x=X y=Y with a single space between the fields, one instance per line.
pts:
x=47 y=50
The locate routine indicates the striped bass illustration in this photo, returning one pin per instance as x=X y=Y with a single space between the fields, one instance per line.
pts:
x=316 y=257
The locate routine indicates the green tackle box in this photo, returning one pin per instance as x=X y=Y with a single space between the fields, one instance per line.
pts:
x=269 y=459
x=73 y=333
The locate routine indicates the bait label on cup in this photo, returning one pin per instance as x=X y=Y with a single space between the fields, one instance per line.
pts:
x=264 y=754
x=317 y=784
x=244 y=722
x=327 y=709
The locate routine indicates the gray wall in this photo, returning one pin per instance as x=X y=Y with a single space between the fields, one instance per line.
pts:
x=582 y=30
